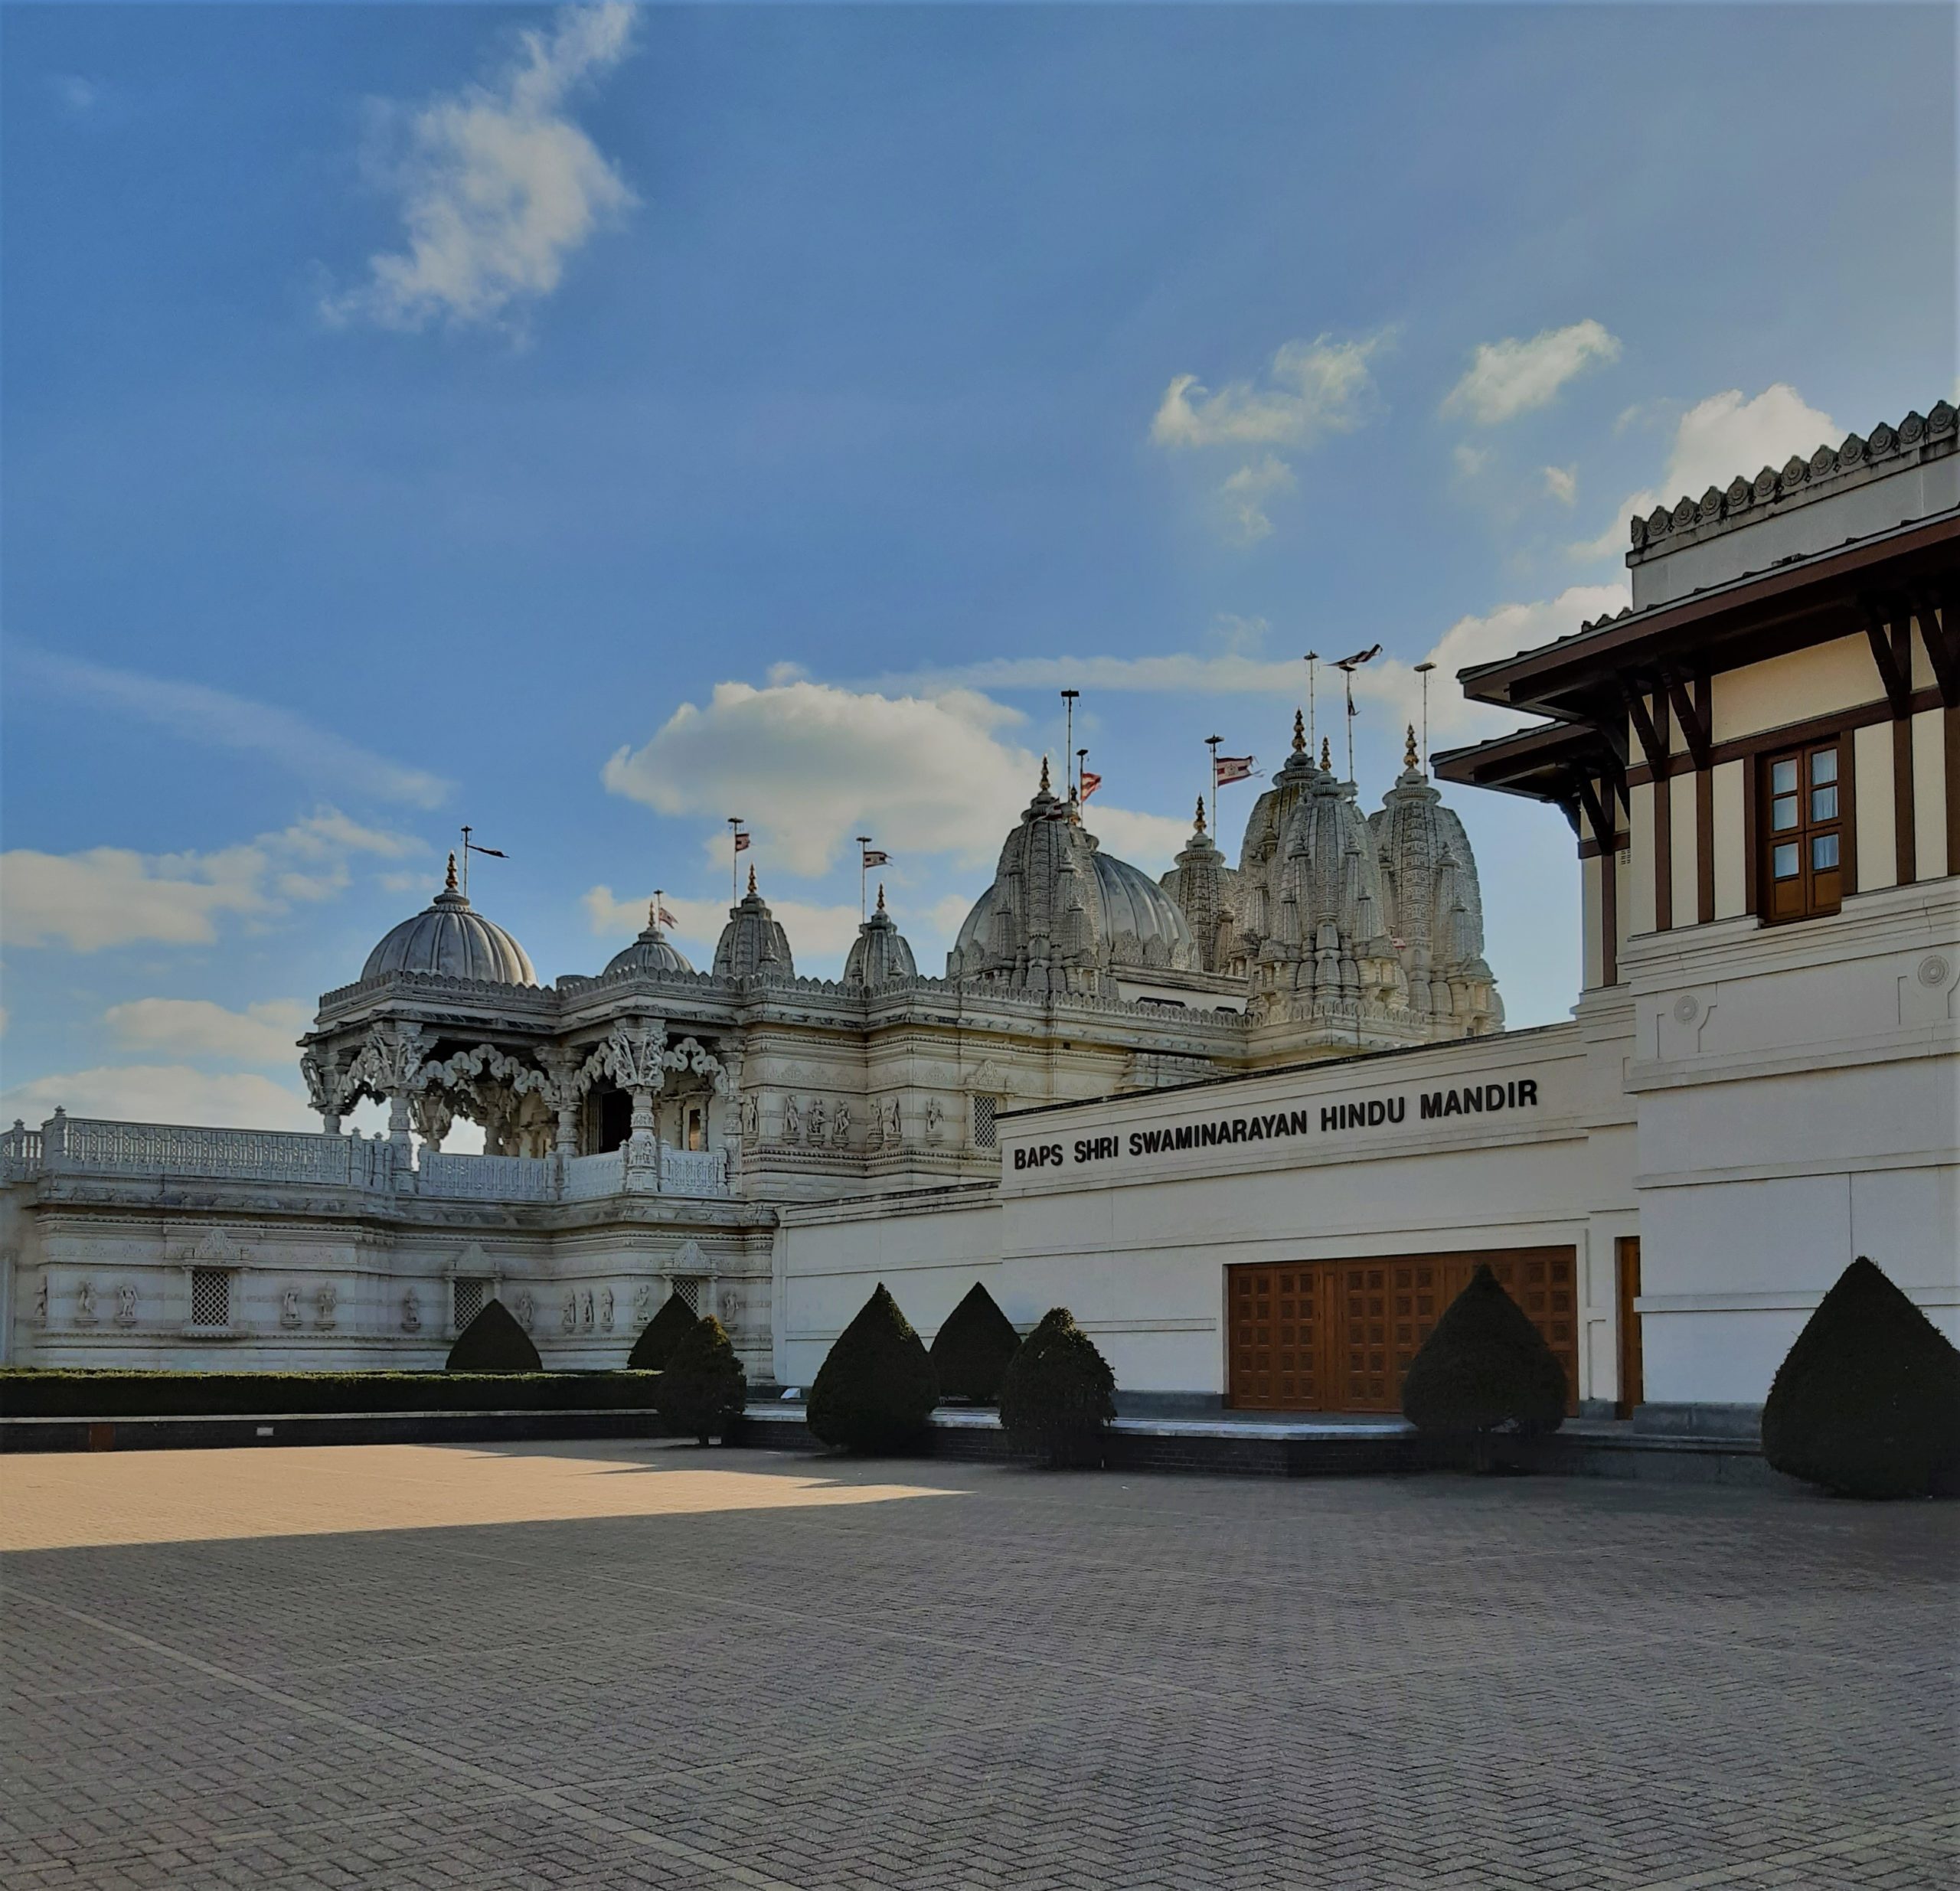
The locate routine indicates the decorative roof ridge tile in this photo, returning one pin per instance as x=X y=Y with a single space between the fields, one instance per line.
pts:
x=1744 y=497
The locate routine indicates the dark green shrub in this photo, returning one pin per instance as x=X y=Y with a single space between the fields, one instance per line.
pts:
x=970 y=1352
x=26 y=1392
x=661 y=1334
x=1483 y=1366
x=1058 y=1392
x=1868 y=1403
x=701 y=1388
x=875 y=1391
x=494 y=1342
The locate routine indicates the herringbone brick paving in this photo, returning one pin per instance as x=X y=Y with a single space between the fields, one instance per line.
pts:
x=649 y=1665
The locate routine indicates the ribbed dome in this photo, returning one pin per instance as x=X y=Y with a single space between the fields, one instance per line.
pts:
x=879 y=954
x=1062 y=916
x=752 y=943
x=649 y=952
x=451 y=939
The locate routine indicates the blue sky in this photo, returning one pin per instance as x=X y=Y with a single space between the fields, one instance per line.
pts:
x=587 y=425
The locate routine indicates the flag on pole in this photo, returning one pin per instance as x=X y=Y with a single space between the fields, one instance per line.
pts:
x=495 y=853
x=1228 y=769
x=661 y=916
x=876 y=857
x=741 y=842
x=1088 y=784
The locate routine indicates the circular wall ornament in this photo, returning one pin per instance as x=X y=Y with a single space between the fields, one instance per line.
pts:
x=1933 y=971
x=1686 y=1007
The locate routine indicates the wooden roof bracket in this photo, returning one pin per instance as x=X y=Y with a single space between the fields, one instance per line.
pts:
x=1694 y=731
x=1897 y=679
x=1942 y=638
x=1650 y=744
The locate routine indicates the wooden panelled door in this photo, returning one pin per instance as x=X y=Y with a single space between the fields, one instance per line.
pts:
x=1626 y=1263
x=1337 y=1336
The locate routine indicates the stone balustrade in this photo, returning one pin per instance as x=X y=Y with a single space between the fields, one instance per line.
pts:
x=86 y=1145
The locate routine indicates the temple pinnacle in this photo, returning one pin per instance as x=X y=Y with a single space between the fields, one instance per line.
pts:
x=1044 y=775
x=1299 y=732
x=881 y=895
x=1326 y=757
x=1201 y=814
x=449 y=884
x=1408 y=748
x=751 y=883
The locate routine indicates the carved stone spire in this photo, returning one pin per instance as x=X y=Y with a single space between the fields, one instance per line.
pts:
x=1201 y=814
x=1326 y=756
x=1408 y=748
x=881 y=895
x=1299 y=732
x=449 y=883
x=751 y=879
x=1044 y=775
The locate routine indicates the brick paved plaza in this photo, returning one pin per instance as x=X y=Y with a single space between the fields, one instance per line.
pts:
x=641 y=1664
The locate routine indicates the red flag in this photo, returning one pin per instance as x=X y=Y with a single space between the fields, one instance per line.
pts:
x=741 y=842
x=1228 y=769
x=875 y=857
x=662 y=917
x=1090 y=783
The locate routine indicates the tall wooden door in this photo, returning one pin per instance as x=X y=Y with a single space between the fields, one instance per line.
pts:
x=1338 y=1336
x=1626 y=1260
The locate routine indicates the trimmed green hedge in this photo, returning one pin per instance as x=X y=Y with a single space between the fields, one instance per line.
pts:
x=26 y=1393
x=1058 y=1395
x=661 y=1334
x=1484 y=1365
x=702 y=1390
x=494 y=1342
x=875 y=1391
x=971 y=1352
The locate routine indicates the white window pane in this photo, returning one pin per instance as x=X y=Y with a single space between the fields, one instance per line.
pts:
x=1823 y=765
x=1823 y=804
x=1783 y=777
x=1783 y=812
x=1785 y=861
x=1824 y=852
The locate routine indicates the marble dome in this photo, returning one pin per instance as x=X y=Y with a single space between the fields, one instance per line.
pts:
x=450 y=938
x=649 y=952
x=879 y=954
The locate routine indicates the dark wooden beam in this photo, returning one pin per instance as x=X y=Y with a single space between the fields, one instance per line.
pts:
x=1694 y=730
x=1942 y=638
x=1651 y=745
x=1898 y=685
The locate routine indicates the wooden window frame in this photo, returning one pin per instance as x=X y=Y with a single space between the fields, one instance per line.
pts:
x=1812 y=903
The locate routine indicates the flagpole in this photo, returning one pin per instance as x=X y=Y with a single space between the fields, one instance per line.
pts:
x=734 y=860
x=1081 y=773
x=1313 y=656
x=1068 y=745
x=864 y=841
x=1212 y=742
x=465 y=861
x=1422 y=669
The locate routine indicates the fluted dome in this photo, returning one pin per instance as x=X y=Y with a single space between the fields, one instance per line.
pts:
x=879 y=954
x=752 y=944
x=1063 y=916
x=649 y=952
x=451 y=938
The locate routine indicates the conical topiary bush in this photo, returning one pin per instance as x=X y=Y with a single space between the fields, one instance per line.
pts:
x=661 y=1334
x=493 y=1342
x=1483 y=1366
x=970 y=1352
x=1058 y=1392
x=1868 y=1403
x=875 y=1391
x=702 y=1385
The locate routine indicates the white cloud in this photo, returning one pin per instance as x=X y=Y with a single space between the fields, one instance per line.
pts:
x=1715 y=440
x=162 y=1093
x=810 y=764
x=1562 y=484
x=113 y=896
x=1237 y=636
x=1311 y=388
x=818 y=932
x=197 y=1027
x=1470 y=460
x=1152 y=842
x=214 y=718
x=498 y=185
x=1506 y=378
x=1245 y=494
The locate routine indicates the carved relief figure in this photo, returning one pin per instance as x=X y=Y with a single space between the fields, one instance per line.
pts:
x=792 y=1120
x=605 y=1310
x=126 y=1304
x=840 y=1127
x=588 y=1310
x=934 y=1112
x=568 y=1315
x=745 y=1110
x=324 y=1301
x=85 y=1303
x=289 y=1307
x=819 y=1121
x=643 y=1303
x=526 y=1309
x=41 y=1300
x=890 y=1108
x=411 y=1312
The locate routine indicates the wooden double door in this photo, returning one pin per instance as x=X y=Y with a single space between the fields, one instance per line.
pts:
x=1337 y=1336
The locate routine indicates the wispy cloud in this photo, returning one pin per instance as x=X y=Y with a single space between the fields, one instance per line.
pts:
x=165 y=1093
x=262 y=1034
x=114 y=896
x=214 y=718
x=1562 y=484
x=1247 y=493
x=498 y=185
x=1506 y=378
x=1310 y=388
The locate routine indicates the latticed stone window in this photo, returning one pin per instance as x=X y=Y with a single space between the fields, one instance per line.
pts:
x=984 y=1136
x=470 y=1293
x=211 y=1296
x=689 y=1287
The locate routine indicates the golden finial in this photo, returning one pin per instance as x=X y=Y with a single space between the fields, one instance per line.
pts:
x=449 y=884
x=751 y=883
x=1408 y=748
x=1299 y=732
x=1201 y=814
x=881 y=895
x=1326 y=757
x=1044 y=775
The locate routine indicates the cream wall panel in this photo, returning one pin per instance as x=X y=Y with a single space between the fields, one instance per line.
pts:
x=1731 y=784
x=1923 y=677
x=1878 y=828
x=1588 y=884
x=1640 y=821
x=1929 y=794
x=1819 y=682
x=1681 y=821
